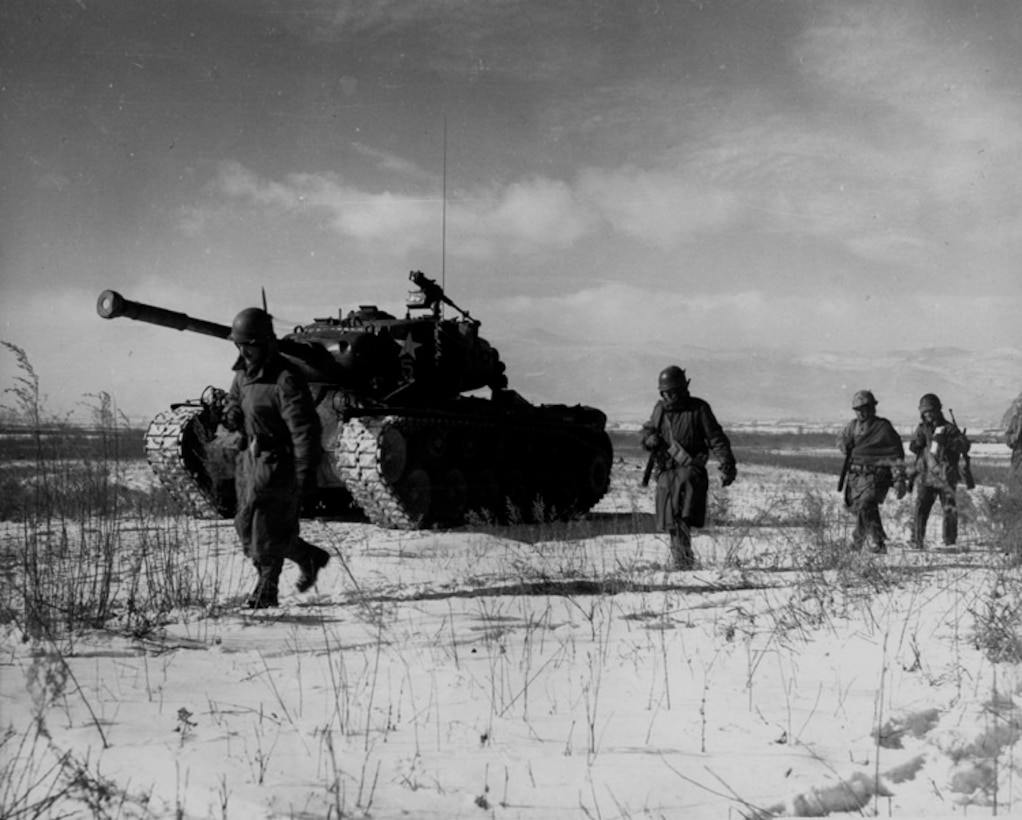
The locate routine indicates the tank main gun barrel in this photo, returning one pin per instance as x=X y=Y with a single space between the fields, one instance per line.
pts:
x=112 y=305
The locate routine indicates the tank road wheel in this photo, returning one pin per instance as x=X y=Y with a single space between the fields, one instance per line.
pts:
x=393 y=455
x=435 y=442
x=486 y=497
x=416 y=492
x=453 y=498
x=470 y=448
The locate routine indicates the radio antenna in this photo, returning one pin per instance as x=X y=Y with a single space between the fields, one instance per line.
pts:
x=443 y=227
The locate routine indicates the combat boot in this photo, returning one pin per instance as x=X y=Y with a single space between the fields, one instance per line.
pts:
x=264 y=595
x=682 y=557
x=311 y=562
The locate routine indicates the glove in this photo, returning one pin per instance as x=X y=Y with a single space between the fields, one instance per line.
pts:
x=900 y=488
x=652 y=441
x=728 y=474
x=233 y=418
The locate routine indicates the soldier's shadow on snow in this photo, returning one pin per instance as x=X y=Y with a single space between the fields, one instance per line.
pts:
x=582 y=528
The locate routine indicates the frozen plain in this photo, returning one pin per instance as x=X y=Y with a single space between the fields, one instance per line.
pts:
x=472 y=674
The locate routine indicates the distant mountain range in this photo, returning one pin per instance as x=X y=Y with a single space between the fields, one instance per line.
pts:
x=766 y=386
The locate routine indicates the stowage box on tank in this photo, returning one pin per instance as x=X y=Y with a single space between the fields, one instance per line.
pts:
x=401 y=439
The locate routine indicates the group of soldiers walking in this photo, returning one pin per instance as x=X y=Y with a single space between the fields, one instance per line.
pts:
x=683 y=433
x=875 y=464
x=270 y=403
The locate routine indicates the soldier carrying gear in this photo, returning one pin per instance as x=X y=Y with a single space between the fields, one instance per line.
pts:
x=876 y=462
x=1012 y=426
x=270 y=402
x=680 y=436
x=938 y=444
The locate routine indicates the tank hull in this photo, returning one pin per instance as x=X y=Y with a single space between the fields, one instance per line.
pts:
x=410 y=468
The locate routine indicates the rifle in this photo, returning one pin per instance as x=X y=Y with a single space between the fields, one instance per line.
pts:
x=649 y=469
x=844 y=470
x=970 y=482
x=914 y=473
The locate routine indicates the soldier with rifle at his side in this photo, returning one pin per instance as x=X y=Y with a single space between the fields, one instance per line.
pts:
x=938 y=445
x=680 y=436
x=874 y=463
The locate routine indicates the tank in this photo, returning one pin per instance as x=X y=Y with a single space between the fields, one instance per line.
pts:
x=420 y=427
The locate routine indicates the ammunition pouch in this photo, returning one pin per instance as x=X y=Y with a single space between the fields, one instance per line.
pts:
x=677 y=457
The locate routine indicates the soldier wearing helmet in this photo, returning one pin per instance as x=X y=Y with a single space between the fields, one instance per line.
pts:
x=938 y=444
x=1011 y=424
x=680 y=436
x=270 y=403
x=876 y=462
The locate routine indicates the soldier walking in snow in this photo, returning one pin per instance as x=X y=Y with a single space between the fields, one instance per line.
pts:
x=270 y=403
x=680 y=436
x=1012 y=425
x=874 y=462
x=938 y=444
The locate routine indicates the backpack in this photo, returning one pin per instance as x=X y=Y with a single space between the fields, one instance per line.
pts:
x=1012 y=424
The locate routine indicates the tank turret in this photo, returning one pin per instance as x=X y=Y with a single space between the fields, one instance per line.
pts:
x=404 y=439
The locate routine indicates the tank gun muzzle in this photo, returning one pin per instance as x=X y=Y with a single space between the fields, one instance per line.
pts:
x=112 y=305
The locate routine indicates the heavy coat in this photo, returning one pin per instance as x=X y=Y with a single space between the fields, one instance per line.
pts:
x=937 y=448
x=876 y=453
x=689 y=428
x=278 y=462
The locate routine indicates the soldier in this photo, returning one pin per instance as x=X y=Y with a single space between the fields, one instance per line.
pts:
x=680 y=436
x=270 y=403
x=937 y=444
x=1012 y=424
x=876 y=461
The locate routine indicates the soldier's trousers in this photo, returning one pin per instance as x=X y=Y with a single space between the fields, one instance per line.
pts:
x=267 y=520
x=925 y=499
x=1015 y=476
x=681 y=495
x=682 y=556
x=865 y=491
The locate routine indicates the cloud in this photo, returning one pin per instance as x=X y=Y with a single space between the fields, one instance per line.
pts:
x=529 y=215
x=658 y=208
x=635 y=317
x=928 y=89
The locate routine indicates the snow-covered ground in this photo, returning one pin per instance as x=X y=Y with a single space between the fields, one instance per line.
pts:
x=463 y=674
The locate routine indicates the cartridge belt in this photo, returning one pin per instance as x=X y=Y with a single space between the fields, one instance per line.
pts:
x=697 y=461
x=868 y=469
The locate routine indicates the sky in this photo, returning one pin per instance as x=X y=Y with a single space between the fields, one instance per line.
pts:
x=775 y=175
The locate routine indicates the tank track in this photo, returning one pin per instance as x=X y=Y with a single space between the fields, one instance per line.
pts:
x=408 y=471
x=175 y=447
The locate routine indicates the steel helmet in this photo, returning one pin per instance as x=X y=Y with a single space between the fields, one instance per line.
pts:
x=672 y=378
x=929 y=402
x=863 y=398
x=252 y=325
